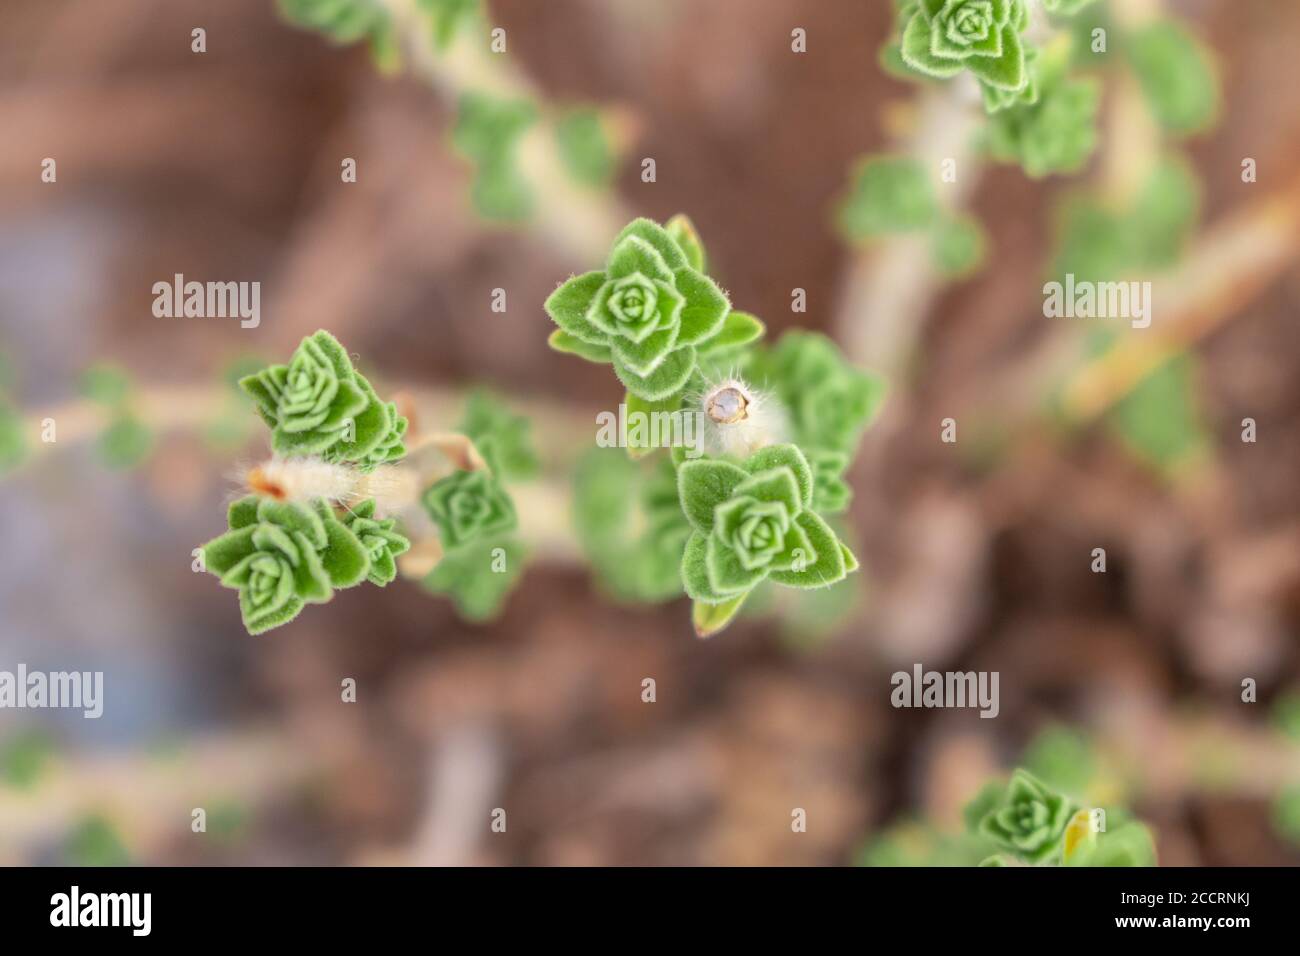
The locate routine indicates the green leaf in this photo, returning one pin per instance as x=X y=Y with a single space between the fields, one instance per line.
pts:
x=106 y=384
x=1058 y=134
x=639 y=440
x=1159 y=420
x=380 y=539
x=489 y=419
x=658 y=237
x=1177 y=74
x=890 y=194
x=95 y=842
x=915 y=50
x=958 y=246
x=667 y=378
x=1129 y=844
x=468 y=506
x=478 y=577
x=126 y=443
x=784 y=456
x=695 y=571
x=705 y=484
x=830 y=565
x=487 y=132
x=738 y=329
x=562 y=341
x=569 y=304
x=448 y=17
x=259 y=620
x=777 y=484
x=706 y=306
x=1060 y=758
x=709 y=619
x=371 y=425
x=344 y=558
x=13 y=448
x=727 y=573
x=1286 y=814
x=242 y=512
x=1164 y=215
x=1006 y=72
x=584 y=147
x=682 y=230
x=988 y=797
x=1029 y=820
x=24 y=757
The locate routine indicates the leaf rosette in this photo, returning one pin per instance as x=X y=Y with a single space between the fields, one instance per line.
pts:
x=467 y=506
x=319 y=404
x=382 y=543
x=943 y=37
x=648 y=312
x=1029 y=820
x=283 y=556
x=754 y=521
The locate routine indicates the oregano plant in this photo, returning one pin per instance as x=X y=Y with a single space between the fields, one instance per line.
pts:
x=747 y=491
x=324 y=513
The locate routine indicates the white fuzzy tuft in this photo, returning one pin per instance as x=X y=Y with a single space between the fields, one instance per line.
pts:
x=302 y=480
x=738 y=419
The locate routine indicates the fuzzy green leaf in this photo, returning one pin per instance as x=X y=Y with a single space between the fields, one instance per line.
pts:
x=1129 y=844
x=479 y=576
x=126 y=443
x=487 y=133
x=784 y=456
x=1177 y=74
x=448 y=18
x=569 y=304
x=958 y=246
x=890 y=194
x=695 y=571
x=243 y=512
x=829 y=564
x=345 y=559
x=468 y=506
x=706 y=306
x=1058 y=134
x=562 y=341
x=584 y=147
x=1029 y=820
x=380 y=539
x=705 y=484
x=682 y=230
x=1159 y=420
x=667 y=378
x=488 y=420
x=709 y=619
x=737 y=330
x=13 y=449
x=106 y=384
x=658 y=237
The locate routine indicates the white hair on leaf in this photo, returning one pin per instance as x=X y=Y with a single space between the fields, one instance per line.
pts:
x=738 y=419
x=303 y=480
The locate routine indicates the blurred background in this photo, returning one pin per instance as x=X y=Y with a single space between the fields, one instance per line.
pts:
x=1124 y=687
